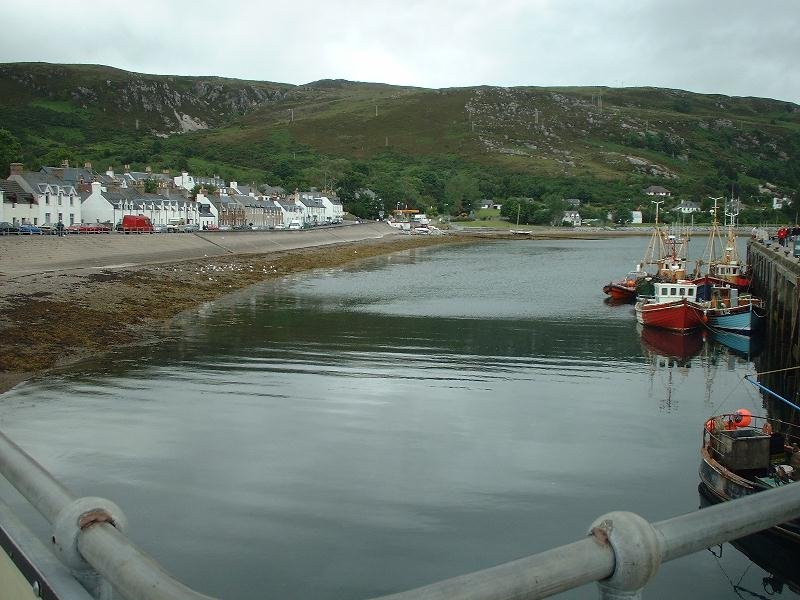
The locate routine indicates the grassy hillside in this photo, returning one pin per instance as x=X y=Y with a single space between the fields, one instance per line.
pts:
x=412 y=145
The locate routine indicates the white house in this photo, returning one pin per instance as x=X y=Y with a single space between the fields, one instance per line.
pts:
x=109 y=206
x=778 y=203
x=636 y=216
x=687 y=207
x=657 y=190
x=16 y=205
x=572 y=217
x=208 y=213
x=54 y=199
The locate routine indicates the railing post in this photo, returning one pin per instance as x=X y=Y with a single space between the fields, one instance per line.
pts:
x=637 y=554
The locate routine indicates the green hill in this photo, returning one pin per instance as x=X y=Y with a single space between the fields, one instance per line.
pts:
x=413 y=145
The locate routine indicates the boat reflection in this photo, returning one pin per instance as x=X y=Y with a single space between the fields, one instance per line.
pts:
x=670 y=344
x=776 y=555
x=747 y=346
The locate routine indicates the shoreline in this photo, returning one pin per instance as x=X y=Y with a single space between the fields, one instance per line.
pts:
x=58 y=318
x=82 y=307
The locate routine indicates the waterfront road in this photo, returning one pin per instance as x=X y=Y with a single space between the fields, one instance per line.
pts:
x=28 y=255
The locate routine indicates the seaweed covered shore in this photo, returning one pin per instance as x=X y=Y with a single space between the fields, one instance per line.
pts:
x=57 y=318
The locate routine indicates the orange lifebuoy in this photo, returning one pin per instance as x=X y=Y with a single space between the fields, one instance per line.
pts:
x=742 y=417
x=710 y=426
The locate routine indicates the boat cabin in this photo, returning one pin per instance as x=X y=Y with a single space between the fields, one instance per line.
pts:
x=679 y=290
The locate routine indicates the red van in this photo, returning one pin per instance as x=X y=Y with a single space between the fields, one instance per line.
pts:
x=136 y=224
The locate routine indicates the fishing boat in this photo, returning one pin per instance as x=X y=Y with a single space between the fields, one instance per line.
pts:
x=722 y=258
x=743 y=454
x=731 y=310
x=664 y=250
x=625 y=290
x=673 y=306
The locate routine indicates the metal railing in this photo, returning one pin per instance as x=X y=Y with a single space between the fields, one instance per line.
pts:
x=88 y=535
x=622 y=552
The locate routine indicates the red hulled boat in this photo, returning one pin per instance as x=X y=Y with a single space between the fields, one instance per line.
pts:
x=673 y=307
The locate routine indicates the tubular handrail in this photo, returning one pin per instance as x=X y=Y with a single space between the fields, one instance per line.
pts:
x=622 y=552
x=593 y=559
x=134 y=574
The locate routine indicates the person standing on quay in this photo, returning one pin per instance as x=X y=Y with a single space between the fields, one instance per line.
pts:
x=60 y=229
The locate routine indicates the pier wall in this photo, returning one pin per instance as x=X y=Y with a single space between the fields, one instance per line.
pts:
x=776 y=278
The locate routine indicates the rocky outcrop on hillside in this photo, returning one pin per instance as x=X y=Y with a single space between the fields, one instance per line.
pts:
x=163 y=104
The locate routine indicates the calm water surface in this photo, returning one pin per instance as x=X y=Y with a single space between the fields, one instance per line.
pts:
x=363 y=431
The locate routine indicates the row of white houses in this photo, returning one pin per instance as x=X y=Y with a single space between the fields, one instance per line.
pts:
x=72 y=195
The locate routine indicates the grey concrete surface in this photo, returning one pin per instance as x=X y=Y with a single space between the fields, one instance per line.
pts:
x=27 y=255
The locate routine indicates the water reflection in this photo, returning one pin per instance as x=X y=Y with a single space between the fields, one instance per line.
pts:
x=373 y=429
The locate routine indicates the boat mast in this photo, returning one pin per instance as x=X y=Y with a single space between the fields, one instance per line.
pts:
x=730 y=255
x=655 y=250
x=714 y=238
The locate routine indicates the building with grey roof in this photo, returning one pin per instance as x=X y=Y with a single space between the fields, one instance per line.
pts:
x=56 y=199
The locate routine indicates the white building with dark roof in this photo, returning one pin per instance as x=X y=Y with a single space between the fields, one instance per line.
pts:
x=56 y=199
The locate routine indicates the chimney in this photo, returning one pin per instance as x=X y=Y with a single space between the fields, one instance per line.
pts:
x=165 y=171
x=96 y=188
x=147 y=169
x=65 y=163
x=87 y=165
x=110 y=171
x=15 y=169
x=127 y=168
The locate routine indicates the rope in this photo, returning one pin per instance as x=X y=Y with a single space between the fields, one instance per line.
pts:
x=777 y=370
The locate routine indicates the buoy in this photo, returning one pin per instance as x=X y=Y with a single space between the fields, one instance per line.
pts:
x=742 y=417
x=710 y=426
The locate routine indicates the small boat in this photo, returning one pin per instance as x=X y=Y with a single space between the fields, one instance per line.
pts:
x=624 y=290
x=732 y=311
x=672 y=307
x=743 y=454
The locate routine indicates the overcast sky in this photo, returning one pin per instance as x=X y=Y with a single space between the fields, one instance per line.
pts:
x=735 y=47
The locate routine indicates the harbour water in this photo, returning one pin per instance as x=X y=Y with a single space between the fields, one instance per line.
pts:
x=357 y=432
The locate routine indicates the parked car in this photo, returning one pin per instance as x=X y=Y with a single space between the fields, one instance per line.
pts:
x=28 y=229
x=47 y=228
x=189 y=228
x=6 y=228
x=89 y=228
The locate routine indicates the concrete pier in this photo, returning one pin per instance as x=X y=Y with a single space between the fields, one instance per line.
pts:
x=776 y=278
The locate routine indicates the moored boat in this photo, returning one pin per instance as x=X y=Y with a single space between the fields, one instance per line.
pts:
x=743 y=454
x=725 y=268
x=625 y=289
x=672 y=307
x=732 y=311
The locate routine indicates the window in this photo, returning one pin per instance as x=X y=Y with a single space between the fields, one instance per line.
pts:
x=691 y=291
x=672 y=291
x=47 y=198
x=683 y=292
x=23 y=220
x=46 y=217
x=71 y=219
x=71 y=200
x=35 y=221
x=59 y=199
x=61 y=217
